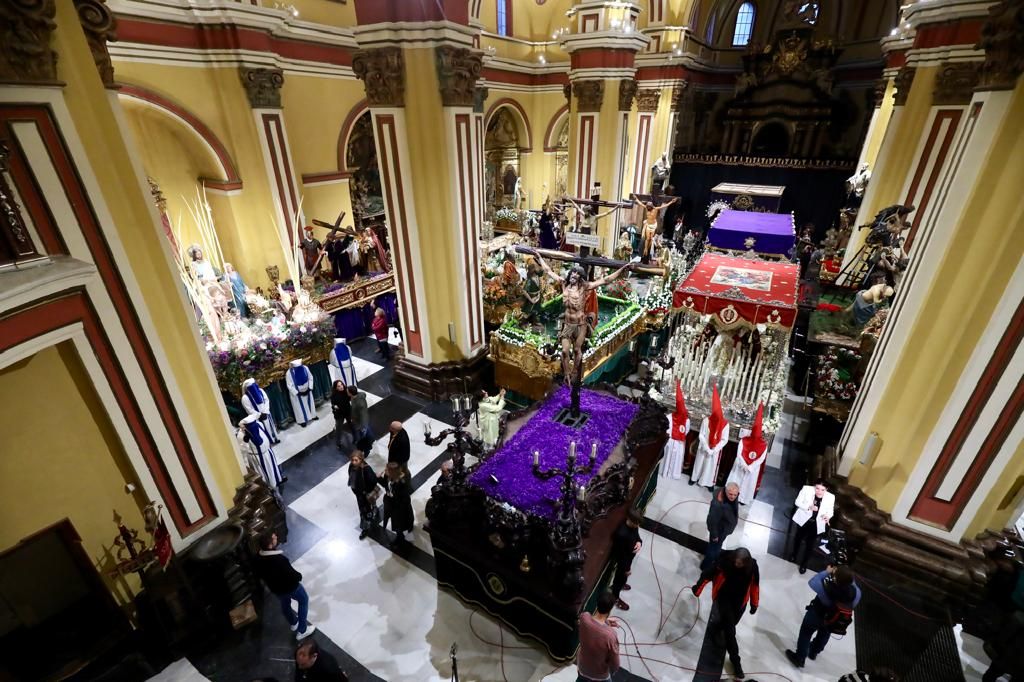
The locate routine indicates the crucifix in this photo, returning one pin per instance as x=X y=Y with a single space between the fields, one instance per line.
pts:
x=587 y=215
x=334 y=229
x=577 y=321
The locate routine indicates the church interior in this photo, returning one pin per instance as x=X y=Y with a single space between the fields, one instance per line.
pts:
x=469 y=339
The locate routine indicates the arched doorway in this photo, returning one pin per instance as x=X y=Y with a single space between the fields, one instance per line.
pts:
x=771 y=139
x=501 y=161
x=361 y=159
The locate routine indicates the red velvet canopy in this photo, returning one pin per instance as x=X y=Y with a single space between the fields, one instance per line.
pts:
x=740 y=290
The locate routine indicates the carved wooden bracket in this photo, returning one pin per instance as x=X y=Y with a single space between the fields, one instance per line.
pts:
x=479 y=97
x=879 y=92
x=25 y=52
x=955 y=83
x=1002 y=38
x=647 y=100
x=262 y=87
x=677 y=95
x=589 y=95
x=627 y=91
x=458 y=69
x=100 y=27
x=903 y=81
x=382 y=71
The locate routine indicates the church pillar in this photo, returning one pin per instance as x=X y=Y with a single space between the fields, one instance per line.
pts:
x=601 y=49
x=879 y=121
x=647 y=106
x=263 y=89
x=948 y=415
x=429 y=134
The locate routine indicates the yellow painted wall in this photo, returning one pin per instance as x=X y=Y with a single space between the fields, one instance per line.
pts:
x=329 y=12
x=104 y=141
x=77 y=470
x=971 y=280
x=874 y=142
x=530 y=21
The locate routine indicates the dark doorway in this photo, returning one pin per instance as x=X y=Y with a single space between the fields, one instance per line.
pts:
x=772 y=139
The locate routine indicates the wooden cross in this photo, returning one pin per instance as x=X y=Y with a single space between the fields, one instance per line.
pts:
x=336 y=227
x=589 y=261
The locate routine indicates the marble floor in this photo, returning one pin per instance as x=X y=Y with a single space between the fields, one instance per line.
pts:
x=382 y=615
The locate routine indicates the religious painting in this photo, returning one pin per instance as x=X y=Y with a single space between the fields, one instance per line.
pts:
x=745 y=278
x=562 y=161
x=501 y=161
x=361 y=158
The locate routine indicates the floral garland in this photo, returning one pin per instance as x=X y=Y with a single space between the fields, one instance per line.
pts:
x=716 y=207
x=509 y=214
x=247 y=354
x=835 y=374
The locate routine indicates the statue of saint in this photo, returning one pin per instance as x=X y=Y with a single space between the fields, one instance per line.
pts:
x=659 y=173
x=650 y=226
x=202 y=270
x=576 y=324
x=857 y=184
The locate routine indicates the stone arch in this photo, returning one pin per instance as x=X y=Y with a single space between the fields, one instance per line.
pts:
x=230 y=180
x=554 y=127
x=345 y=134
x=518 y=116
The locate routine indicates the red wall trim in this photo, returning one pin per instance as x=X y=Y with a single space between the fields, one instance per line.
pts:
x=227 y=164
x=940 y=152
x=395 y=196
x=311 y=178
x=509 y=102
x=549 y=132
x=494 y=75
x=381 y=11
x=960 y=32
x=927 y=507
x=602 y=58
x=66 y=309
x=227 y=37
x=42 y=117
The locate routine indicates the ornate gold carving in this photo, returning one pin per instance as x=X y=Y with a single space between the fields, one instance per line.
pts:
x=955 y=82
x=567 y=91
x=100 y=27
x=677 y=94
x=458 y=69
x=479 y=97
x=382 y=71
x=25 y=53
x=262 y=87
x=1002 y=38
x=647 y=100
x=903 y=81
x=627 y=91
x=589 y=95
x=157 y=194
x=8 y=206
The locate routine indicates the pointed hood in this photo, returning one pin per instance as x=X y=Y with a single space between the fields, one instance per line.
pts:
x=754 y=445
x=680 y=418
x=716 y=420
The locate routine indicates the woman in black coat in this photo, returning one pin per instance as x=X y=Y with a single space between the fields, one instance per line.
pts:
x=341 y=406
x=397 y=501
x=363 y=482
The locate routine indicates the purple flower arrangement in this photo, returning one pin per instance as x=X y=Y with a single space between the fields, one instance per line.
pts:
x=512 y=465
x=235 y=364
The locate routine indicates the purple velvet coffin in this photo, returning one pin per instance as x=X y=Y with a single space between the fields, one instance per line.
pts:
x=772 y=233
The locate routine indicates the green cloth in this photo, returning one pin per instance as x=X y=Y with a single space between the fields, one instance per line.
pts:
x=321 y=381
x=280 y=408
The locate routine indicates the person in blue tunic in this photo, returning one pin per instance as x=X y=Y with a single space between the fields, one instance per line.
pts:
x=340 y=364
x=253 y=432
x=237 y=289
x=300 y=389
x=255 y=401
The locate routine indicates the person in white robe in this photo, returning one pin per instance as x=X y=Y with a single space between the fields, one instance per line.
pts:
x=300 y=389
x=255 y=401
x=675 y=448
x=340 y=364
x=488 y=415
x=751 y=454
x=714 y=434
x=254 y=433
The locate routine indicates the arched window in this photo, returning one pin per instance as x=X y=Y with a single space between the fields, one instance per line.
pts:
x=504 y=17
x=744 y=25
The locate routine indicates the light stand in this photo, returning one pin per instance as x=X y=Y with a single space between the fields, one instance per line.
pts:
x=455 y=661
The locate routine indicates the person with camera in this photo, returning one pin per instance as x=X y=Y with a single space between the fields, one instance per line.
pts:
x=735 y=582
x=829 y=613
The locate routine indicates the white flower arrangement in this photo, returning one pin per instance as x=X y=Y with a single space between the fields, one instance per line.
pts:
x=509 y=214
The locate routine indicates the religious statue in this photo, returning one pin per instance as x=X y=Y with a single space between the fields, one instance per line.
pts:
x=488 y=414
x=546 y=228
x=372 y=251
x=887 y=265
x=577 y=325
x=866 y=303
x=509 y=272
x=888 y=224
x=650 y=226
x=310 y=247
x=586 y=219
x=202 y=270
x=532 y=291
x=238 y=289
x=857 y=184
x=659 y=173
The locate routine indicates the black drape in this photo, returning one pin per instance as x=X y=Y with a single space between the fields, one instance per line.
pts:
x=814 y=195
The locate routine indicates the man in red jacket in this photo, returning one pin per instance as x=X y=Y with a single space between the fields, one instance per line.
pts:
x=735 y=583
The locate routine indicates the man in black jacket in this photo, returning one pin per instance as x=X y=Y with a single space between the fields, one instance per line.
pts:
x=285 y=582
x=398 y=445
x=626 y=543
x=315 y=665
x=722 y=518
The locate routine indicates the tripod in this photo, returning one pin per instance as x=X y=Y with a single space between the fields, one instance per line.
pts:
x=455 y=662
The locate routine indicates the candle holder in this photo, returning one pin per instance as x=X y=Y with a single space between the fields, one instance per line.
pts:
x=566 y=536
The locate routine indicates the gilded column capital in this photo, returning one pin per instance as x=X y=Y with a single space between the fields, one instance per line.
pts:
x=382 y=71
x=647 y=100
x=955 y=83
x=25 y=52
x=1002 y=38
x=589 y=95
x=567 y=91
x=903 y=82
x=627 y=91
x=458 y=69
x=100 y=27
x=262 y=87
x=879 y=91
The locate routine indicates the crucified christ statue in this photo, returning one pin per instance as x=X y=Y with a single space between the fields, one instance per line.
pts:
x=650 y=226
x=586 y=219
x=577 y=326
